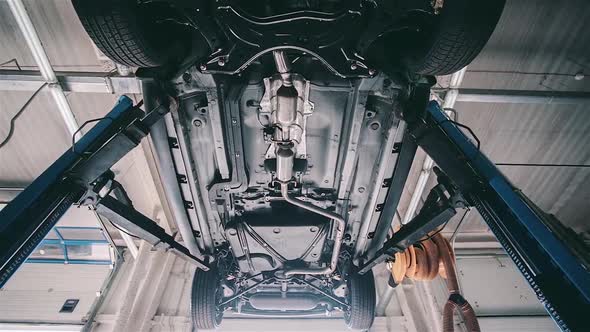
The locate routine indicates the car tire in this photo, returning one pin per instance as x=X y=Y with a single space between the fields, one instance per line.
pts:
x=204 y=297
x=361 y=298
x=455 y=38
x=130 y=34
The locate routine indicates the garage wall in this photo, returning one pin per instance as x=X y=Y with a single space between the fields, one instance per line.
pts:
x=36 y=292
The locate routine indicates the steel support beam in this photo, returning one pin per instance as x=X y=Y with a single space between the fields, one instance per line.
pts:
x=136 y=223
x=17 y=7
x=522 y=97
x=27 y=80
x=98 y=82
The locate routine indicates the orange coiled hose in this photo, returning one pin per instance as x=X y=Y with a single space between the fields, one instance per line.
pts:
x=424 y=261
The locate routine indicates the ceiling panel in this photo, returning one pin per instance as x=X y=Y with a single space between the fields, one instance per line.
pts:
x=537 y=45
x=66 y=43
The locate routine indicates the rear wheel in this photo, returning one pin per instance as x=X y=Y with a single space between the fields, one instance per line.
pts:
x=439 y=44
x=205 y=296
x=455 y=38
x=132 y=34
x=361 y=298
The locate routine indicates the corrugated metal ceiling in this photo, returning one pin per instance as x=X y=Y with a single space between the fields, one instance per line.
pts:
x=540 y=46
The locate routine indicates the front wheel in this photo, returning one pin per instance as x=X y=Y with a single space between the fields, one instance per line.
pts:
x=205 y=296
x=132 y=33
x=361 y=298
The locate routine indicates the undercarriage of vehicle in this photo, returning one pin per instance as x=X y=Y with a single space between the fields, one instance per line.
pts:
x=290 y=172
x=284 y=143
x=289 y=147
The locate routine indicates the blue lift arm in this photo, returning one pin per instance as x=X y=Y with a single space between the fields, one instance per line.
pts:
x=558 y=274
x=73 y=179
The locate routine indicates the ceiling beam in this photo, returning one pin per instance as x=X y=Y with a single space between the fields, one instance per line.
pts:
x=100 y=82
x=89 y=82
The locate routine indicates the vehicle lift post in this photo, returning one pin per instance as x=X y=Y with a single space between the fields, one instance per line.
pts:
x=77 y=178
x=555 y=273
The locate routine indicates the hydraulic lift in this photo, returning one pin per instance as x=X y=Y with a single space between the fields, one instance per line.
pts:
x=557 y=273
x=82 y=176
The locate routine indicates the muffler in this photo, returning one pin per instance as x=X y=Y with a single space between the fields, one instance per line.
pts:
x=284 y=302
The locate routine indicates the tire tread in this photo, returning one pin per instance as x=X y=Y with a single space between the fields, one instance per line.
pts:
x=464 y=29
x=362 y=301
x=203 y=306
x=114 y=27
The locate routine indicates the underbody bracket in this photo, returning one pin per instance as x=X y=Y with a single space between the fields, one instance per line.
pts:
x=250 y=37
x=438 y=209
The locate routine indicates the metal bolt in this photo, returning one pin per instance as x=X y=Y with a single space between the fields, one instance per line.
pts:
x=221 y=62
x=579 y=76
x=375 y=125
x=203 y=67
x=186 y=77
x=234 y=121
x=372 y=72
x=353 y=66
x=88 y=200
x=361 y=190
x=197 y=123
x=226 y=188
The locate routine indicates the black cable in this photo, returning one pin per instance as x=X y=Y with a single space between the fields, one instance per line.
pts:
x=20 y=111
x=465 y=127
x=84 y=125
x=428 y=237
x=443 y=226
x=102 y=118
x=13 y=60
x=124 y=231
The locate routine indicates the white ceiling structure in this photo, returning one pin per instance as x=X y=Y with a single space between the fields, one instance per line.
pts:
x=539 y=45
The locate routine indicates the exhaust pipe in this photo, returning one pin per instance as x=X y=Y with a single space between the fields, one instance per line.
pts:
x=337 y=242
x=290 y=301
x=283 y=66
x=289 y=122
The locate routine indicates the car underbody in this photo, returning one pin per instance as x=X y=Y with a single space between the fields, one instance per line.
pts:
x=267 y=171
x=281 y=135
x=285 y=141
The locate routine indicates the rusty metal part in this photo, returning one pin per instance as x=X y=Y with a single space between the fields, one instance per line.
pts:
x=457 y=302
